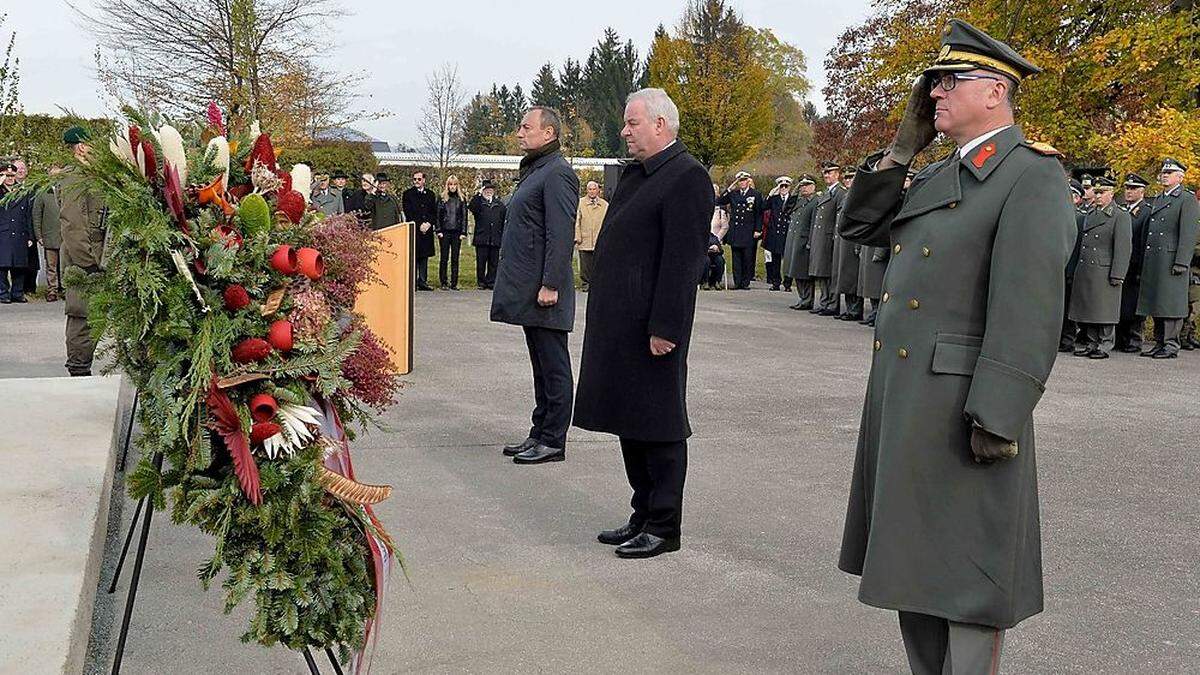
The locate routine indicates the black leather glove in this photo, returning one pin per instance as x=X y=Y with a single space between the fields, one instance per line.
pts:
x=1114 y=282
x=1178 y=269
x=916 y=127
x=988 y=447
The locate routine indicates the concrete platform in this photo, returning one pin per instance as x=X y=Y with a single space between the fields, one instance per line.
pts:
x=58 y=446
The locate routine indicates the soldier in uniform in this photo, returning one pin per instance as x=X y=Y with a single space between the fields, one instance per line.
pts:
x=796 y=249
x=81 y=219
x=1106 y=245
x=846 y=264
x=1187 y=339
x=942 y=523
x=745 y=217
x=1129 y=328
x=824 y=222
x=873 y=266
x=1069 y=332
x=778 y=214
x=1170 y=238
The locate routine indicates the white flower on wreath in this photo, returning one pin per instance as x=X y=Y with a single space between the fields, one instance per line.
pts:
x=294 y=421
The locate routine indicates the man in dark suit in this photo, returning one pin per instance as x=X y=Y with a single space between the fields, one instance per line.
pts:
x=420 y=208
x=535 y=281
x=745 y=227
x=1129 y=329
x=488 y=211
x=633 y=376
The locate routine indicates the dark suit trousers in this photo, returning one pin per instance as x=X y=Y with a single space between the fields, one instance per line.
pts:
x=423 y=271
x=1129 y=333
x=937 y=646
x=486 y=260
x=14 y=290
x=773 y=273
x=656 y=472
x=451 y=247
x=714 y=269
x=744 y=258
x=553 y=385
x=854 y=305
x=1070 y=329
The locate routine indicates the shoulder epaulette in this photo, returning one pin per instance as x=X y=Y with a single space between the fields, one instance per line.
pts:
x=1043 y=148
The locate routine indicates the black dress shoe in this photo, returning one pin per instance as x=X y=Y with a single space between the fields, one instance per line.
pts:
x=806 y=307
x=1097 y=354
x=774 y=288
x=512 y=450
x=1064 y=349
x=1152 y=352
x=795 y=306
x=647 y=545
x=539 y=454
x=1082 y=352
x=1129 y=349
x=21 y=300
x=1187 y=345
x=827 y=312
x=618 y=536
x=1165 y=353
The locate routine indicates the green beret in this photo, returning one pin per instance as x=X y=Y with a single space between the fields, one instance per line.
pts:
x=75 y=135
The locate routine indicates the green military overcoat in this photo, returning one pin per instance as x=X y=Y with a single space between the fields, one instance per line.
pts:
x=821 y=236
x=967 y=333
x=1104 y=249
x=1170 y=237
x=81 y=222
x=46 y=220
x=873 y=261
x=796 y=247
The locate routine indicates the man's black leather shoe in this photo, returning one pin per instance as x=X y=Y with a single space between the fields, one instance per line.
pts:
x=539 y=454
x=1165 y=354
x=828 y=312
x=1152 y=352
x=618 y=536
x=646 y=545
x=1097 y=354
x=511 y=450
x=1129 y=349
x=1083 y=351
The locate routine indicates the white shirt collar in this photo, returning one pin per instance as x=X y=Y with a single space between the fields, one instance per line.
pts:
x=974 y=143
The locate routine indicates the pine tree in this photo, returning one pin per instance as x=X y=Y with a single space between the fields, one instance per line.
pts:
x=545 y=89
x=611 y=73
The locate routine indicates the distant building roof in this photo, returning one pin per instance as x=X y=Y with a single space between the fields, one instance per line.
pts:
x=353 y=136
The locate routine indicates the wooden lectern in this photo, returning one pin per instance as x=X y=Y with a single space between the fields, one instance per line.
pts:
x=388 y=305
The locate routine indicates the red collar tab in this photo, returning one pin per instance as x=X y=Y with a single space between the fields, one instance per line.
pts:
x=985 y=153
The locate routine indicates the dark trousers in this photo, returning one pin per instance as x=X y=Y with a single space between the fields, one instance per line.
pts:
x=773 y=274
x=587 y=260
x=937 y=646
x=656 y=472
x=423 y=272
x=451 y=247
x=854 y=305
x=804 y=289
x=553 y=385
x=1066 y=337
x=874 y=309
x=14 y=289
x=744 y=259
x=829 y=299
x=1095 y=336
x=486 y=260
x=1129 y=333
x=714 y=270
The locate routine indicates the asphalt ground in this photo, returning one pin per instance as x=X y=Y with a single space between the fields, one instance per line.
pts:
x=505 y=574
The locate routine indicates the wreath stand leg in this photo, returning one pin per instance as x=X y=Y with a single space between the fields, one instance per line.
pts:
x=136 y=576
x=125 y=449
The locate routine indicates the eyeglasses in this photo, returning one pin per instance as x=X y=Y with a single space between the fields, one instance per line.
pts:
x=947 y=81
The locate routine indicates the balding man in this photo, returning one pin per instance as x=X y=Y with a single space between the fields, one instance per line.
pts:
x=535 y=281
x=588 y=219
x=633 y=376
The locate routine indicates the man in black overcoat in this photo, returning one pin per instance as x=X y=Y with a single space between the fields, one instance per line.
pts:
x=633 y=376
x=420 y=207
x=1129 y=329
x=535 y=281
x=488 y=211
x=745 y=227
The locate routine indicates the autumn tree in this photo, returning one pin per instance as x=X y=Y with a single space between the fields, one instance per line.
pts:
x=786 y=66
x=723 y=92
x=1119 y=87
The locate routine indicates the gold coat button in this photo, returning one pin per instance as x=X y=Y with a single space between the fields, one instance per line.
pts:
x=913 y=304
x=878 y=345
x=896 y=248
x=953 y=204
x=925 y=251
x=903 y=353
x=886 y=297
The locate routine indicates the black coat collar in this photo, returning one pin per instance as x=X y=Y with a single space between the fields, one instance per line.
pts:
x=665 y=155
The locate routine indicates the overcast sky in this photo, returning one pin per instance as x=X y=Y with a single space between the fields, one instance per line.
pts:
x=398 y=46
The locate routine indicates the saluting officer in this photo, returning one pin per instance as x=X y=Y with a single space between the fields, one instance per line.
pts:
x=1170 y=238
x=821 y=238
x=1107 y=242
x=797 y=248
x=942 y=523
x=778 y=216
x=745 y=219
x=1129 y=328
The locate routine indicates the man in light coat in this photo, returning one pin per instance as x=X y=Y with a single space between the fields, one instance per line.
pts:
x=588 y=219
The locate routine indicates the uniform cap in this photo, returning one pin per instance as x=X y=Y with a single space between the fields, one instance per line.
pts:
x=338 y=173
x=1172 y=165
x=783 y=180
x=965 y=47
x=850 y=173
x=1076 y=188
x=806 y=179
x=381 y=176
x=830 y=166
x=741 y=175
x=1132 y=180
x=75 y=135
x=1105 y=183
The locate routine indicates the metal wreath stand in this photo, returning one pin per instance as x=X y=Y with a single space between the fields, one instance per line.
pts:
x=138 y=558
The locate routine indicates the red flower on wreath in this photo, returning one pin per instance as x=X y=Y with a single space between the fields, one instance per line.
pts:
x=225 y=421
